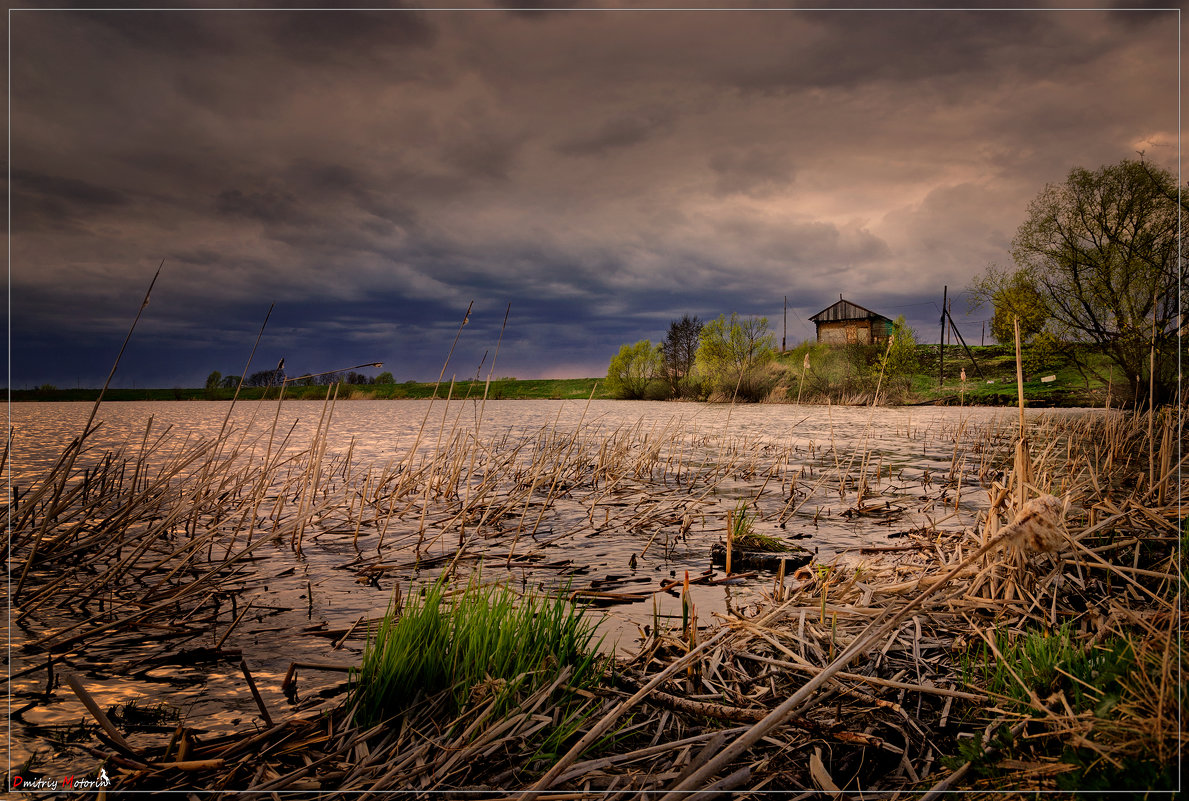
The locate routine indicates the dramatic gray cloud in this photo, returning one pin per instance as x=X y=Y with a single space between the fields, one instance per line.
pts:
x=373 y=172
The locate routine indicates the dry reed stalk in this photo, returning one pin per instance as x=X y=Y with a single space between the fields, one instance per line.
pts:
x=568 y=455
x=102 y=623
x=71 y=453
x=242 y=378
x=1023 y=463
x=417 y=440
x=313 y=466
x=429 y=479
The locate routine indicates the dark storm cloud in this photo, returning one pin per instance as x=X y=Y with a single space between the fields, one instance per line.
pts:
x=268 y=206
x=337 y=35
x=623 y=131
x=847 y=49
x=1140 y=13
x=539 y=9
x=372 y=172
x=337 y=183
x=752 y=171
x=483 y=155
x=40 y=200
x=174 y=31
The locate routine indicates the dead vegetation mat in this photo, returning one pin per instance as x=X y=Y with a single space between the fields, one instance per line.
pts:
x=912 y=713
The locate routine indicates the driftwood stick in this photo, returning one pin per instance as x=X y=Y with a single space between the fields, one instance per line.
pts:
x=231 y=628
x=243 y=665
x=98 y=714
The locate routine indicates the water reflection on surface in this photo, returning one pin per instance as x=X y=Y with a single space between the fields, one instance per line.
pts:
x=801 y=469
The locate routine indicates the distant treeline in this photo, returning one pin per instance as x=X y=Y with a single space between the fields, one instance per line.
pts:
x=274 y=378
x=500 y=389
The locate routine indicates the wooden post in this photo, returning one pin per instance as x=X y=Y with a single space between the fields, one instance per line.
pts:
x=784 y=337
x=941 y=342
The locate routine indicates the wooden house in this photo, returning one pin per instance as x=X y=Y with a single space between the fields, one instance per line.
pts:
x=847 y=323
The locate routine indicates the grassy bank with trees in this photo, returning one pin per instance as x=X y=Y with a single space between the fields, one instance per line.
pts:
x=835 y=374
x=735 y=361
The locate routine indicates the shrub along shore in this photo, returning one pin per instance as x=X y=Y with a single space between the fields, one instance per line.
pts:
x=841 y=375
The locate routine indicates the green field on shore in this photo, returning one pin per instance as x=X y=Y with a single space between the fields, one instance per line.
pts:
x=991 y=380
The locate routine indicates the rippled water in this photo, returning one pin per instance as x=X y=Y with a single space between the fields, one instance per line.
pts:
x=788 y=461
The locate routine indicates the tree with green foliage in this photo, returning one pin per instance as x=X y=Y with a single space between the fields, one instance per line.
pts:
x=1012 y=295
x=633 y=369
x=733 y=354
x=1104 y=250
x=679 y=354
x=214 y=379
x=385 y=378
x=899 y=360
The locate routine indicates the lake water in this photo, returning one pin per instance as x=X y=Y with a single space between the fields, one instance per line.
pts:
x=680 y=469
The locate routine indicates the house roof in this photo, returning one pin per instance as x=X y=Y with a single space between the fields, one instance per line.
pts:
x=845 y=310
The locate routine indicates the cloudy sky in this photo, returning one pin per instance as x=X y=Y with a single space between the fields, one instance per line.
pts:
x=603 y=171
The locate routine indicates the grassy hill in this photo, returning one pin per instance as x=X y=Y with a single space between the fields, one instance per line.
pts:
x=849 y=374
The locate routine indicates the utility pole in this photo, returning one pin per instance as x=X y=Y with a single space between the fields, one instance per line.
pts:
x=983 y=339
x=941 y=342
x=784 y=337
x=958 y=334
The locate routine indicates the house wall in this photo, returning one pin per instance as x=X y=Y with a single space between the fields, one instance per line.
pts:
x=866 y=332
x=836 y=333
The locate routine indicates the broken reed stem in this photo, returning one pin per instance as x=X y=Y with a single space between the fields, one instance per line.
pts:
x=1023 y=465
x=243 y=666
x=1019 y=378
x=731 y=540
x=99 y=715
x=1152 y=400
